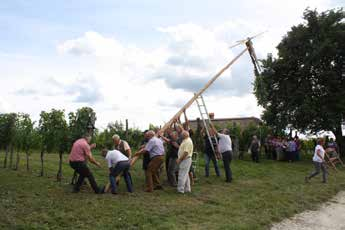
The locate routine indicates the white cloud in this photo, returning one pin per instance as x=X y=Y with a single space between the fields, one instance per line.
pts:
x=121 y=80
x=91 y=43
x=4 y=107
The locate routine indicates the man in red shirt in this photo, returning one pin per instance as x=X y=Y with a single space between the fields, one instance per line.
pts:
x=80 y=153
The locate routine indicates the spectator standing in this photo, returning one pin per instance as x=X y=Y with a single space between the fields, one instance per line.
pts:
x=254 y=149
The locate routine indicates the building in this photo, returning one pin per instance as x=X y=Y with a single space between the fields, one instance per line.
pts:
x=243 y=122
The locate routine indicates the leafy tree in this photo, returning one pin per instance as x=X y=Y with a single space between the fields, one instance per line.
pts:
x=104 y=138
x=54 y=132
x=247 y=135
x=81 y=122
x=304 y=86
x=7 y=134
x=234 y=129
x=23 y=136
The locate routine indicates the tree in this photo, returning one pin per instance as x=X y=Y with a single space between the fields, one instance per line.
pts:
x=7 y=132
x=23 y=137
x=247 y=134
x=304 y=86
x=81 y=122
x=54 y=133
x=104 y=138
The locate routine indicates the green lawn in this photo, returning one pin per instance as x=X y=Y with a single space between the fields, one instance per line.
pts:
x=259 y=195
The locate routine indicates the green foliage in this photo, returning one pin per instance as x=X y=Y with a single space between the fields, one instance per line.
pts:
x=24 y=129
x=247 y=135
x=54 y=131
x=81 y=122
x=260 y=195
x=234 y=129
x=7 y=129
x=104 y=138
x=304 y=85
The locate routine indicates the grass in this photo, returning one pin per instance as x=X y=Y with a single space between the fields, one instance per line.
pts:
x=260 y=195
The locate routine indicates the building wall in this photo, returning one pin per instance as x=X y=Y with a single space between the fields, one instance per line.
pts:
x=223 y=122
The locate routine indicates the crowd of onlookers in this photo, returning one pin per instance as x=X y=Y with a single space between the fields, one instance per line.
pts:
x=282 y=148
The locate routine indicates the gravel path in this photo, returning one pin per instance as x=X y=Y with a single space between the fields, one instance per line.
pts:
x=330 y=215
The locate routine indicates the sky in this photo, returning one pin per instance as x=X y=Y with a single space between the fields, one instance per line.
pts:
x=137 y=60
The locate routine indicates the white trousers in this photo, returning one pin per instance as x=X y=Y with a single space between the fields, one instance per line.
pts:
x=183 y=184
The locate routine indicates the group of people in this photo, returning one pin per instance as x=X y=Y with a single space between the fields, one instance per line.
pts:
x=283 y=148
x=178 y=157
x=174 y=147
x=118 y=161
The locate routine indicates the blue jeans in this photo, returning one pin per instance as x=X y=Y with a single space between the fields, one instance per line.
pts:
x=121 y=167
x=207 y=164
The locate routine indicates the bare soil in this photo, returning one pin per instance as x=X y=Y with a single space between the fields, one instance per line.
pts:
x=330 y=215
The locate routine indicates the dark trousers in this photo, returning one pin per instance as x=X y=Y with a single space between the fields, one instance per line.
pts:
x=318 y=166
x=255 y=156
x=297 y=155
x=267 y=152
x=274 y=154
x=121 y=167
x=146 y=160
x=84 y=172
x=172 y=169
x=227 y=157
x=290 y=155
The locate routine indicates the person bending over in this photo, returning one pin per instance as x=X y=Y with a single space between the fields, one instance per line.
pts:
x=118 y=164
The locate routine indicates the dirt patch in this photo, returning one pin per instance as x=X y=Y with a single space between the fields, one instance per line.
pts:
x=330 y=215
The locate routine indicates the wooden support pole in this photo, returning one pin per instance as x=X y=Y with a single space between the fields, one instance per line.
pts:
x=190 y=102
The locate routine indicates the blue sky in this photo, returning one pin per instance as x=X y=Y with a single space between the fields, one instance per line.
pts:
x=68 y=54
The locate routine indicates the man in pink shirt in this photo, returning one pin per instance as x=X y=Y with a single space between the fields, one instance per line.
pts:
x=80 y=153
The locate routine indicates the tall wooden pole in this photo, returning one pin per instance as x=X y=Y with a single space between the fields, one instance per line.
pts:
x=190 y=102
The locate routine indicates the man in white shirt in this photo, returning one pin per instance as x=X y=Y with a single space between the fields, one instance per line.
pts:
x=225 y=148
x=319 y=162
x=118 y=164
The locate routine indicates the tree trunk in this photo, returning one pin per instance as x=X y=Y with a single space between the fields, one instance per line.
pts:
x=17 y=161
x=11 y=156
x=340 y=141
x=27 y=160
x=6 y=155
x=59 y=174
x=42 y=161
x=74 y=178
